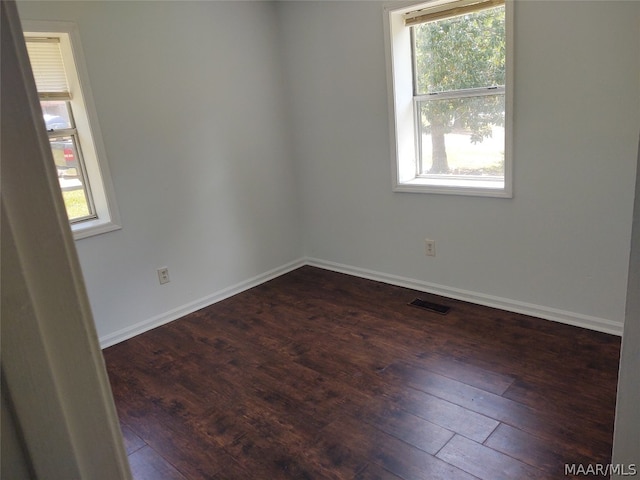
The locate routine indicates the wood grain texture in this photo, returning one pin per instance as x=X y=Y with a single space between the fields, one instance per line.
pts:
x=319 y=375
x=148 y=465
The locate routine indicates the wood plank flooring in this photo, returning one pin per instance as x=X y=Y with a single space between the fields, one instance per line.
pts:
x=319 y=375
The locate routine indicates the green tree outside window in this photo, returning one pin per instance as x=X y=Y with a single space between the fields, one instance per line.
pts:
x=459 y=53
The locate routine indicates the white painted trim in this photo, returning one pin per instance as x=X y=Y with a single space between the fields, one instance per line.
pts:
x=176 y=313
x=539 y=311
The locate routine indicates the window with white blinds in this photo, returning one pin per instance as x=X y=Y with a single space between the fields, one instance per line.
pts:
x=71 y=125
x=48 y=68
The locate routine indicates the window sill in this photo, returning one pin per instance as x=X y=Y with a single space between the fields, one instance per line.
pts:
x=455 y=186
x=91 y=228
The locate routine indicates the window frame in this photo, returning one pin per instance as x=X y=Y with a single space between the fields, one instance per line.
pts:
x=403 y=114
x=106 y=216
x=71 y=132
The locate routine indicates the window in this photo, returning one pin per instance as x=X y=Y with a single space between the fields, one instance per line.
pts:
x=450 y=95
x=70 y=121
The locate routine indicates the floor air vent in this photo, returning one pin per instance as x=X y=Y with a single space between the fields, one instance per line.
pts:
x=433 y=307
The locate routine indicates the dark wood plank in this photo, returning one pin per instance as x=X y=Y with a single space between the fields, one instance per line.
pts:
x=183 y=446
x=374 y=472
x=544 y=394
x=348 y=438
x=448 y=415
x=585 y=437
x=459 y=369
x=146 y=464
x=486 y=463
x=409 y=428
x=322 y=375
x=132 y=442
x=275 y=459
x=545 y=455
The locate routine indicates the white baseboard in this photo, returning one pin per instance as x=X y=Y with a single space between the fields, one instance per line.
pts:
x=562 y=316
x=174 y=314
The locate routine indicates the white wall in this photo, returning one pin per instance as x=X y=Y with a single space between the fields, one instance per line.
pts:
x=244 y=135
x=191 y=109
x=561 y=245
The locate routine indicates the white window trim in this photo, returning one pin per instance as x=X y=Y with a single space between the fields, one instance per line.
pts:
x=401 y=112
x=95 y=157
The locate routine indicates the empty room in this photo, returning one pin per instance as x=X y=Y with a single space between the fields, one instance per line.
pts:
x=320 y=239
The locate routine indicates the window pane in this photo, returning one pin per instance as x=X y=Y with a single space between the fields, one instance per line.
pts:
x=56 y=115
x=462 y=136
x=71 y=178
x=462 y=52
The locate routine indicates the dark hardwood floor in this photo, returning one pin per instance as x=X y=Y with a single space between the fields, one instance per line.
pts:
x=320 y=375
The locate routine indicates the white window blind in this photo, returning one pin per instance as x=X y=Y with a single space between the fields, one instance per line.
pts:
x=48 y=68
x=441 y=10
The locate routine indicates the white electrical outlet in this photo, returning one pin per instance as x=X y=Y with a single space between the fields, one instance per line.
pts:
x=163 y=275
x=430 y=248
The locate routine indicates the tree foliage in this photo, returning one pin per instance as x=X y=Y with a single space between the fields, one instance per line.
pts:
x=462 y=52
